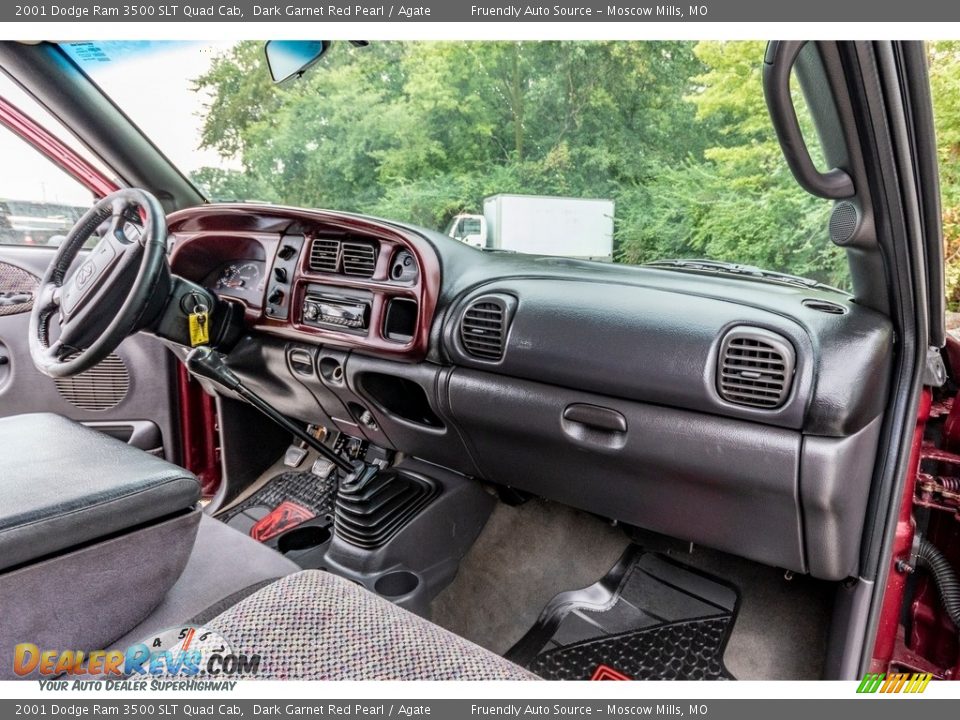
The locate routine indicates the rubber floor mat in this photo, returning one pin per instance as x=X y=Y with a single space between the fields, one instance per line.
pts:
x=649 y=618
x=288 y=500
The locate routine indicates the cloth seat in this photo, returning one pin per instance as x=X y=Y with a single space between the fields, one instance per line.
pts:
x=225 y=566
x=313 y=625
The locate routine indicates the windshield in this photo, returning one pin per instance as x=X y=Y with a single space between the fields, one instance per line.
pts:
x=628 y=152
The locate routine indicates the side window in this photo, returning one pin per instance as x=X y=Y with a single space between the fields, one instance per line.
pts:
x=39 y=202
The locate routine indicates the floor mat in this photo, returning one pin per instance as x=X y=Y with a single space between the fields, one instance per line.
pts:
x=527 y=554
x=649 y=618
x=285 y=502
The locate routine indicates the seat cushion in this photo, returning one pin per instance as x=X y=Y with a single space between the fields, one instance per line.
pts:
x=318 y=626
x=64 y=485
x=224 y=566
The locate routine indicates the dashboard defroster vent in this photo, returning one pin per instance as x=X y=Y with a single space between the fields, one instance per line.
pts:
x=359 y=259
x=755 y=368
x=483 y=328
x=325 y=255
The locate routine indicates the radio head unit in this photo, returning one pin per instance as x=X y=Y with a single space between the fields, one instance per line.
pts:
x=339 y=308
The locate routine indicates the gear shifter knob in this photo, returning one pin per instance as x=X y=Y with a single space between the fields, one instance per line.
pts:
x=208 y=363
x=362 y=475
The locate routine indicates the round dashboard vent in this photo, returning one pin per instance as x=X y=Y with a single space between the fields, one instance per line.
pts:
x=102 y=387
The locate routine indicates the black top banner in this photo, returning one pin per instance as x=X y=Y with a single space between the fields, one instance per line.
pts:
x=481 y=11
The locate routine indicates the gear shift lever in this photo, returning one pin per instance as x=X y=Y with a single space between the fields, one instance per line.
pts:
x=208 y=363
x=372 y=506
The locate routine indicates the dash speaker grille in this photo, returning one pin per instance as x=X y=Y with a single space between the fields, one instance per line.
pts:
x=102 y=387
x=843 y=222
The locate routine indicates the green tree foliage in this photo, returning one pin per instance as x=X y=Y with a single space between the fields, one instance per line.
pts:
x=738 y=201
x=676 y=133
x=944 y=63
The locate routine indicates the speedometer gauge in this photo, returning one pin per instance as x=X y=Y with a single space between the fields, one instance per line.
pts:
x=239 y=275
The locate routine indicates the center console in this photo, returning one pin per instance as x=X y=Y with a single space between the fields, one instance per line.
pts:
x=93 y=533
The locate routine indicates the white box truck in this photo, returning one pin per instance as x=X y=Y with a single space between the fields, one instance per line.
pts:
x=542 y=225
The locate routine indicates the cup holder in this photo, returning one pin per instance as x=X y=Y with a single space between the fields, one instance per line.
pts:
x=396 y=583
x=303 y=538
x=331 y=369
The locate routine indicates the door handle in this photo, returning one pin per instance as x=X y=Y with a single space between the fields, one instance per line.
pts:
x=15 y=298
x=595 y=417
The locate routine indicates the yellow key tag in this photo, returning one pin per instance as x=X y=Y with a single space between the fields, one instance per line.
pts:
x=199 y=329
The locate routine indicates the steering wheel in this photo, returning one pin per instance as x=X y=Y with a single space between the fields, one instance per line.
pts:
x=104 y=300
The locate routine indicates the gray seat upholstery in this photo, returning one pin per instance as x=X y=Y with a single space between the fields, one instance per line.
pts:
x=316 y=626
x=309 y=625
x=60 y=496
x=224 y=566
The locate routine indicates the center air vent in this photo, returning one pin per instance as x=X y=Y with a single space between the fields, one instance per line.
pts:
x=755 y=368
x=346 y=257
x=325 y=255
x=483 y=328
x=358 y=259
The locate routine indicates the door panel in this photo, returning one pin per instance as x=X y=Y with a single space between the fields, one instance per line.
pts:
x=130 y=396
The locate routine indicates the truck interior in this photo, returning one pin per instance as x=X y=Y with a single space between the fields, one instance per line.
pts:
x=367 y=450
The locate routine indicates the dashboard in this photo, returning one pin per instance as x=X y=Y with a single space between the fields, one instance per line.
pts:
x=239 y=279
x=312 y=275
x=726 y=411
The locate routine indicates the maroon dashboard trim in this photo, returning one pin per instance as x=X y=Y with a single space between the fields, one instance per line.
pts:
x=204 y=235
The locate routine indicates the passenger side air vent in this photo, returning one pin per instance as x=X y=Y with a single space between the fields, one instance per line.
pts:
x=359 y=259
x=483 y=328
x=325 y=255
x=755 y=368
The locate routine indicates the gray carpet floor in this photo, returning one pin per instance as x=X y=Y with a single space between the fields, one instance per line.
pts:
x=527 y=554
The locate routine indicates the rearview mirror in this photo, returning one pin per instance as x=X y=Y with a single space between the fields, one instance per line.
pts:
x=292 y=58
